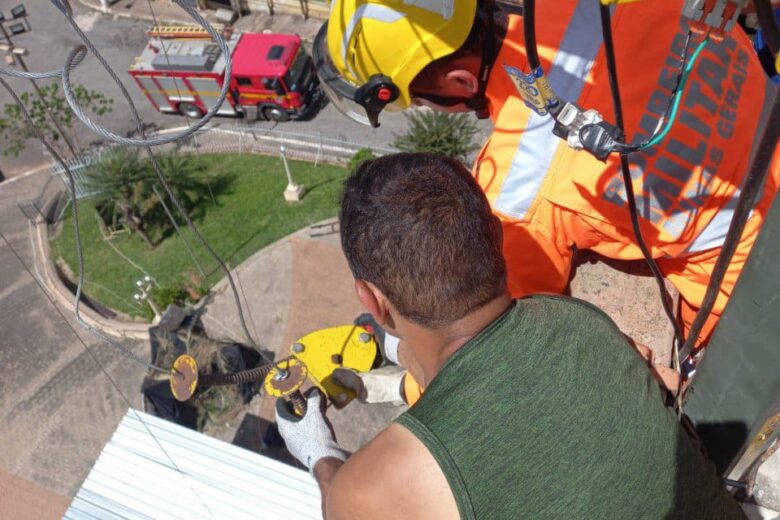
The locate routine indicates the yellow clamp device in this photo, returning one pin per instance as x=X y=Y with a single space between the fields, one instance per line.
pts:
x=323 y=351
x=314 y=357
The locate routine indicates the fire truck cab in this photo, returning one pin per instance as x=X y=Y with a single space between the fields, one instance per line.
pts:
x=272 y=76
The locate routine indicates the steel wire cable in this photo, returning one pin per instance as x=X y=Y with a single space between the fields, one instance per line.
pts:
x=76 y=56
x=13 y=73
x=146 y=144
x=144 y=141
x=167 y=58
x=103 y=369
x=189 y=125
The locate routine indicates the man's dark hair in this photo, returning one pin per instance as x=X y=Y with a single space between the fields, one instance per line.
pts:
x=419 y=228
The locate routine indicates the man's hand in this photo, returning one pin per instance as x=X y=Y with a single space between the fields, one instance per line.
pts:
x=383 y=385
x=308 y=438
x=667 y=377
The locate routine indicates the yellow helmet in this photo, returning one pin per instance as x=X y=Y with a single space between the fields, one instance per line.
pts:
x=369 y=51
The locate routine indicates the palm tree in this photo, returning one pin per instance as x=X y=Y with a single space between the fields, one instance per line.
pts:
x=124 y=185
x=439 y=132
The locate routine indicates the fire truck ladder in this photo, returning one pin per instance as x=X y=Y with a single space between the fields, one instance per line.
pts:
x=182 y=31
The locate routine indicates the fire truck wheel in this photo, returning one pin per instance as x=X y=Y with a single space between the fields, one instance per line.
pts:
x=276 y=114
x=190 y=110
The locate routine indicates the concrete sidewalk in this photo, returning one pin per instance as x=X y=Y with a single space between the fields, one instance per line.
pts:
x=292 y=287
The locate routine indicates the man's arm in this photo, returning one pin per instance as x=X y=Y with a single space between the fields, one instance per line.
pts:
x=393 y=477
x=667 y=377
x=324 y=471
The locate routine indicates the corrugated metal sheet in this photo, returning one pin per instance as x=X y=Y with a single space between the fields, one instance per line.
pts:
x=134 y=479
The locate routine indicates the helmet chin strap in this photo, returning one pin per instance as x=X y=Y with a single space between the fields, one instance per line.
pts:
x=448 y=105
x=495 y=34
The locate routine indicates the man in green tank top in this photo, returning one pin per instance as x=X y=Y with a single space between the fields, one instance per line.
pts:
x=511 y=424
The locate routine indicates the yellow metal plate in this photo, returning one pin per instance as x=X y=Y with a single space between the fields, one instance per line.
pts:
x=184 y=377
x=285 y=378
x=323 y=351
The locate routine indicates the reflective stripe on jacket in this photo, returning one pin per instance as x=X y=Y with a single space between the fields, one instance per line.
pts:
x=551 y=198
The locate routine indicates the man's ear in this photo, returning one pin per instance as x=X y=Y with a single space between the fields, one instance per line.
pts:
x=462 y=80
x=373 y=301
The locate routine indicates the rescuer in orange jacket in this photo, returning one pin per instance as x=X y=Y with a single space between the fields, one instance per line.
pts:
x=550 y=197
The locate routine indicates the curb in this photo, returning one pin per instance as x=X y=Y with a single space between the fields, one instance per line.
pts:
x=47 y=274
x=29 y=173
x=44 y=268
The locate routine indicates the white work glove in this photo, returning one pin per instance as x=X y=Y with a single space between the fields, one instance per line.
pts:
x=390 y=348
x=308 y=438
x=383 y=385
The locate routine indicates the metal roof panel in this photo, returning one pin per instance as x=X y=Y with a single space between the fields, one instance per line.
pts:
x=134 y=479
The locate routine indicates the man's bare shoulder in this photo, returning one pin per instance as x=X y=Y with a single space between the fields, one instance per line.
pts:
x=393 y=476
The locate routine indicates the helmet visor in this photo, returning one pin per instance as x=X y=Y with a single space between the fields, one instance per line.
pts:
x=341 y=92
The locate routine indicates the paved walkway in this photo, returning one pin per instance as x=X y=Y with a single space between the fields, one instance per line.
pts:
x=22 y=500
x=57 y=407
x=295 y=286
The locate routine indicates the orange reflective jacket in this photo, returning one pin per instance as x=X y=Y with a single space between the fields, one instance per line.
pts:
x=552 y=198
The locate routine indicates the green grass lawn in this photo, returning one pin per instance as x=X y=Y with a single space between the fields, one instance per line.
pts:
x=249 y=215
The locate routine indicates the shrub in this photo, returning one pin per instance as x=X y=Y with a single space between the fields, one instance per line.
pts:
x=362 y=155
x=439 y=132
x=164 y=296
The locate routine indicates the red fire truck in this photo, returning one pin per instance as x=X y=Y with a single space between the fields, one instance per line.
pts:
x=273 y=77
